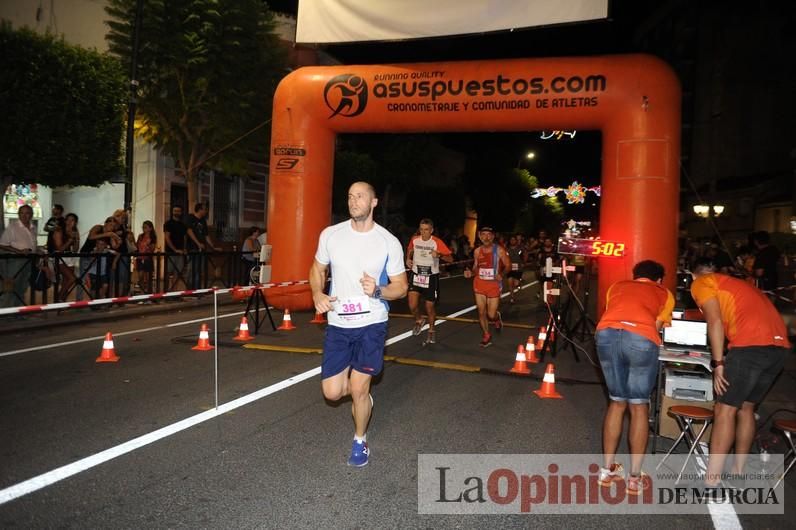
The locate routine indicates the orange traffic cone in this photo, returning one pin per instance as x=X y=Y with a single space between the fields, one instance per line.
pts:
x=548 y=389
x=541 y=338
x=530 y=352
x=287 y=324
x=520 y=365
x=108 y=354
x=243 y=330
x=204 y=339
x=318 y=319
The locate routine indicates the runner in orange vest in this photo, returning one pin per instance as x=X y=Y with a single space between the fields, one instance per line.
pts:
x=490 y=262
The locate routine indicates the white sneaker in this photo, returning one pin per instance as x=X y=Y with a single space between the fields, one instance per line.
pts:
x=614 y=474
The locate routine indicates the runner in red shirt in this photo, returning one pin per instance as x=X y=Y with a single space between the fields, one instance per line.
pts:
x=422 y=258
x=490 y=262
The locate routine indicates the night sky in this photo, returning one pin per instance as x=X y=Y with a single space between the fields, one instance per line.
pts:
x=557 y=163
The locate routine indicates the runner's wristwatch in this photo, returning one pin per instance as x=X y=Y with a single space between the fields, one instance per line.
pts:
x=714 y=363
x=377 y=292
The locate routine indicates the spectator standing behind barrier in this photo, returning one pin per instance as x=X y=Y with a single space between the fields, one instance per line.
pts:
x=146 y=244
x=199 y=241
x=105 y=231
x=99 y=270
x=766 y=259
x=64 y=238
x=756 y=351
x=628 y=341
x=174 y=235
x=19 y=237
x=362 y=256
x=250 y=254
x=68 y=264
x=120 y=276
x=56 y=219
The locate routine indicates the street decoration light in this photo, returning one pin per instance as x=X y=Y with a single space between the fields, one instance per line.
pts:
x=575 y=193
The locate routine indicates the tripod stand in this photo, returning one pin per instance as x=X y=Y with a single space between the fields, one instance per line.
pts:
x=584 y=326
x=559 y=317
x=255 y=299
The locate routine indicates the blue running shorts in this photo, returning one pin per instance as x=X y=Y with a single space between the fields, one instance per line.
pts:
x=360 y=348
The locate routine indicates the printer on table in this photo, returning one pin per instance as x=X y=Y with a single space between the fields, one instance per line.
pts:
x=688 y=384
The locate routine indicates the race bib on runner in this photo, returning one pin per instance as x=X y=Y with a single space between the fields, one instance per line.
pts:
x=354 y=308
x=422 y=276
x=515 y=266
x=486 y=274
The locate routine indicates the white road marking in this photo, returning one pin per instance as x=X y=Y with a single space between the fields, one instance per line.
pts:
x=724 y=517
x=122 y=334
x=56 y=475
x=63 y=472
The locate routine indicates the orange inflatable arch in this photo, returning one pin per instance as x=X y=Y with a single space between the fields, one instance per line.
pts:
x=633 y=99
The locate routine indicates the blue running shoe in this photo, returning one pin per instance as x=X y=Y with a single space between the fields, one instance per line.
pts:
x=359 y=454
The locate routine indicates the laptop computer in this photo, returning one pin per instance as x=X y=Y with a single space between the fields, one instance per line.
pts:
x=686 y=336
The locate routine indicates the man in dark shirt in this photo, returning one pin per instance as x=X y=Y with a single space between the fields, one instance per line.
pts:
x=766 y=260
x=174 y=233
x=56 y=220
x=199 y=241
x=720 y=258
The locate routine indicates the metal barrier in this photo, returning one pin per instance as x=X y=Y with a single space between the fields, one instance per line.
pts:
x=35 y=279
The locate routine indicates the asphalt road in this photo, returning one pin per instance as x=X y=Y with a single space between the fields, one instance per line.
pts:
x=280 y=461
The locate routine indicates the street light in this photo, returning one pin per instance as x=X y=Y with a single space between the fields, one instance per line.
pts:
x=703 y=210
x=530 y=155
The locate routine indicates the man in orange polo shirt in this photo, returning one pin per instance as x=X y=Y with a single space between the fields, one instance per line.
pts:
x=628 y=341
x=756 y=351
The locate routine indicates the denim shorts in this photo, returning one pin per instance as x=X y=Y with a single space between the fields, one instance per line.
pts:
x=360 y=348
x=630 y=364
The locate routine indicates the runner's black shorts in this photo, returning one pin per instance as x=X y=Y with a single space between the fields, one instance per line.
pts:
x=430 y=293
x=517 y=275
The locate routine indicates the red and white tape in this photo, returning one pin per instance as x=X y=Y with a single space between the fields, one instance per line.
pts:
x=139 y=298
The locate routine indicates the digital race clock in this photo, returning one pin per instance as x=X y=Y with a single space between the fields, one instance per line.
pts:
x=596 y=248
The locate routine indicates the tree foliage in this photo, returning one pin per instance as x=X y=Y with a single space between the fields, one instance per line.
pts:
x=63 y=112
x=207 y=71
x=396 y=165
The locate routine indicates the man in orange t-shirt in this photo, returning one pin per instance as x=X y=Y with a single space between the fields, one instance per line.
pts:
x=756 y=351
x=628 y=341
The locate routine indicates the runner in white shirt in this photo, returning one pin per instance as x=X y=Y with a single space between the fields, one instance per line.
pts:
x=363 y=257
x=422 y=257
